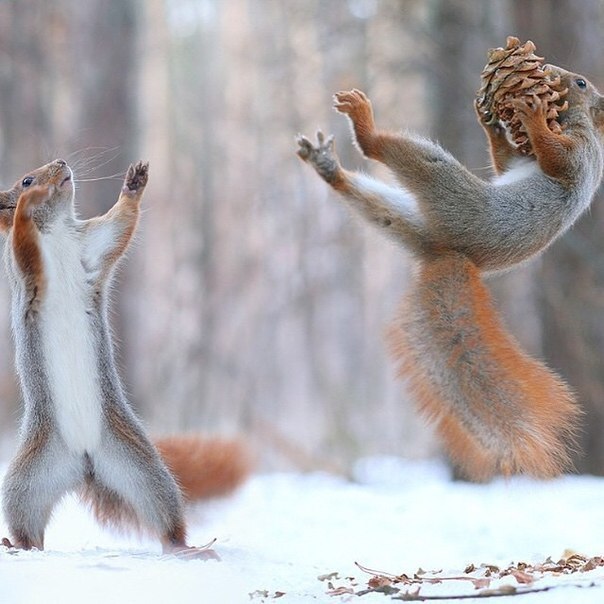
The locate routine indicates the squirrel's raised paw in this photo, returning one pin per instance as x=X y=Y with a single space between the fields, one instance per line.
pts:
x=136 y=178
x=528 y=111
x=486 y=118
x=308 y=152
x=355 y=104
x=346 y=101
x=321 y=155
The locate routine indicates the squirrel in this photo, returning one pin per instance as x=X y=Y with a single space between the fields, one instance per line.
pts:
x=78 y=431
x=496 y=409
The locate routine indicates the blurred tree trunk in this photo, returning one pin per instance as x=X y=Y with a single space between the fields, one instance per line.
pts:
x=571 y=280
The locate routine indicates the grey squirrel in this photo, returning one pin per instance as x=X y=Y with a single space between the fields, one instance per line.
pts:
x=496 y=409
x=78 y=430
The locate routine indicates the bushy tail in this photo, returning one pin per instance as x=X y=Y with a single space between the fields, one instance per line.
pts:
x=496 y=409
x=205 y=467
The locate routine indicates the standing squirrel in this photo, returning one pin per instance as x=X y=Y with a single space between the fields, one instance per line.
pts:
x=78 y=431
x=496 y=409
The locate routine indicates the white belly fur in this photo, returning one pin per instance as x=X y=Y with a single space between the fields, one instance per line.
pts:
x=68 y=343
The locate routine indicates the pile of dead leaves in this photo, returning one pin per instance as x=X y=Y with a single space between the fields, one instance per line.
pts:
x=486 y=579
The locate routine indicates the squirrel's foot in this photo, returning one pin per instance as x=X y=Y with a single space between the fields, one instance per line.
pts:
x=26 y=544
x=136 y=178
x=188 y=552
x=356 y=105
x=321 y=156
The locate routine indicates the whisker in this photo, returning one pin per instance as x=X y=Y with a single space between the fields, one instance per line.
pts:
x=87 y=164
x=118 y=176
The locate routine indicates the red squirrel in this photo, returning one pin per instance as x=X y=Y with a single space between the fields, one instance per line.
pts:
x=79 y=432
x=496 y=409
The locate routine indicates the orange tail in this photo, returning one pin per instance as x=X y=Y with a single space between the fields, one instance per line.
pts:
x=496 y=409
x=205 y=467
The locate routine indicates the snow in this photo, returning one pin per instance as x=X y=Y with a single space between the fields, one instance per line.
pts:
x=280 y=532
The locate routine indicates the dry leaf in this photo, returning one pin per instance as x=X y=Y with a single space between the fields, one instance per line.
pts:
x=480 y=582
x=522 y=577
x=592 y=563
x=328 y=576
x=340 y=591
x=379 y=581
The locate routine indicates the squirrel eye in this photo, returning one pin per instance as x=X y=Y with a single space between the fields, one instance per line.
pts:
x=581 y=83
x=27 y=181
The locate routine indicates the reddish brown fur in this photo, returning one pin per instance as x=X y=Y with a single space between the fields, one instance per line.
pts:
x=358 y=107
x=25 y=239
x=527 y=434
x=205 y=467
x=551 y=150
x=109 y=508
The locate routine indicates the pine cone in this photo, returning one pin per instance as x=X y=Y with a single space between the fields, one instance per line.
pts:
x=514 y=72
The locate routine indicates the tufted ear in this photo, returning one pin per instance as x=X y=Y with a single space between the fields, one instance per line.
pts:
x=7 y=211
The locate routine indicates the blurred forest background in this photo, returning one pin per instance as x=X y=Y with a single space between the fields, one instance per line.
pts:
x=252 y=302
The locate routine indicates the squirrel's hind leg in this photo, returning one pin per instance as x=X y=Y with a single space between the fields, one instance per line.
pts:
x=36 y=479
x=130 y=485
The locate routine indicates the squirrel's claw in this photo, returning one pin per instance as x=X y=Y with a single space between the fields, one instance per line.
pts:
x=307 y=150
x=136 y=177
x=347 y=101
x=305 y=147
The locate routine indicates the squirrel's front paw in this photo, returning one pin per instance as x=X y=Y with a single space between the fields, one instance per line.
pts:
x=322 y=155
x=351 y=101
x=487 y=119
x=355 y=104
x=136 y=178
x=533 y=111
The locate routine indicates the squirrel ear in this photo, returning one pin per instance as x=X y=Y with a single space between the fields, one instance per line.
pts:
x=7 y=200
x=7 y=211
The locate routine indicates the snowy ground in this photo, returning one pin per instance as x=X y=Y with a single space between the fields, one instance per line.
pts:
x=281 y=532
